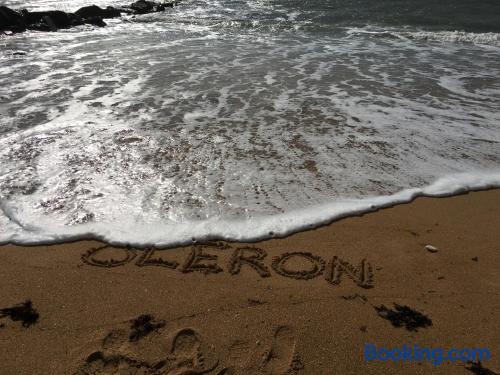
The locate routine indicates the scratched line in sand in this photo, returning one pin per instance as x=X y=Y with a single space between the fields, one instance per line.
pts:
x=201 y=258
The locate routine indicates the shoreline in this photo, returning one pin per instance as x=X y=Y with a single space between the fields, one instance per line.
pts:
x=313 y=298
x=272 y=227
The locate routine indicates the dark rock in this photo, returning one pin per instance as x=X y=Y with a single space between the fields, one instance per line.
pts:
x=50 y=23
x=111 y=12
x=89 y=11
x=162 y=6
x=75 y=20
x=39 y=26
x=11 y=20
x=60 y=19
x=95 y=11
x=167 y=5
x=96 y=21
x=144 y=6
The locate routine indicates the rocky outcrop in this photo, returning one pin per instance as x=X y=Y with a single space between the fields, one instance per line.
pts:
x=19 y=21
x=95 y=11
x=11 y=20
x=59 y=18
x=143 y=6
x=96 y=21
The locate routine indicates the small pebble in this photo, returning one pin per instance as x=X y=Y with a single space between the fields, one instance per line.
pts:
x=431 y=249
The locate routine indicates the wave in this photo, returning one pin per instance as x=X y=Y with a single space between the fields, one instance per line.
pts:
x=457 y=37
x=136 y=233
x=492 y=39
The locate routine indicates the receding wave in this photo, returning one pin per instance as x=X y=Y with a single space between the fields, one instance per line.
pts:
x=492 y=39
x=136 y=232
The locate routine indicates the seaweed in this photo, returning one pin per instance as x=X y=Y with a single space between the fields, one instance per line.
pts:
x=23 y=312
x=404 y=316
x=478 y=369
x=143 y=325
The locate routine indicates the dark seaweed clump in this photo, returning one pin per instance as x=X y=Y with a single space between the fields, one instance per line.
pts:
x=23 y=312
x=143 y=325
x=404 y=316
x=478 y=369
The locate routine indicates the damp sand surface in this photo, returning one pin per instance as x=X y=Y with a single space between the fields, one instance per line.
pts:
x=421 y=273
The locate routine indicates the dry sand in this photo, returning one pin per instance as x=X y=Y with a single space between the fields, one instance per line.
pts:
x=305 y=304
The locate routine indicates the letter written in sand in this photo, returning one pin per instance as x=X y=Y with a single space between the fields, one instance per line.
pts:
x=195 y=259
x=361 y=275
x=315 y=266
x=147 y=260
x=251 y=256
x=106 y=256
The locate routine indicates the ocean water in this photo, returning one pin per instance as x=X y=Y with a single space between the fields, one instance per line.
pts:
x=243 y=119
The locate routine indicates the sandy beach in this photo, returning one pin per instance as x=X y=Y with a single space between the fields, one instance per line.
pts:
x=305 y=304
x=287 y=133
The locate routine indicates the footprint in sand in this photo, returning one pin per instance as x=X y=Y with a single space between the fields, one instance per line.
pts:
x=119 y=355
x=99 y=363
x=282 y=357
x=189 y=355
x=143 y=348
x=114 y=340
x=238 y=356
x=226 y=371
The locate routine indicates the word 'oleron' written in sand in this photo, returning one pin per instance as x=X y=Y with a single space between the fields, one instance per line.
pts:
x=202 y=258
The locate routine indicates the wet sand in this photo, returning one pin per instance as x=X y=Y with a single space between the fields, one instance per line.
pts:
x=305 y=304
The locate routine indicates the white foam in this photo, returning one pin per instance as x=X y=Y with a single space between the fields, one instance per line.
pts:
x=131 y=232
x=438 y=36
x=456 y=37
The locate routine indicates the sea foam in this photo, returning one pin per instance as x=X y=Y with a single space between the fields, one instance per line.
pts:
x=137 y=233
